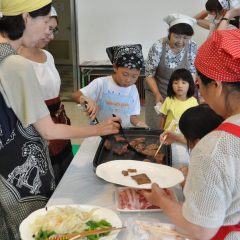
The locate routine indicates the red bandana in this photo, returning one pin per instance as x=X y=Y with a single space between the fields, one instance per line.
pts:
x=219 y=57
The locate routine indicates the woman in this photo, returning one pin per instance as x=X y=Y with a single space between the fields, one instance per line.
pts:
x=214 y=14
x=232 y=13
x=43 y=63
x=212 y=196
x=26 y=175
x=166 y=55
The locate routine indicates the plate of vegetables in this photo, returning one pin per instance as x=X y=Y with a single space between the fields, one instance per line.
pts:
x=64 y=219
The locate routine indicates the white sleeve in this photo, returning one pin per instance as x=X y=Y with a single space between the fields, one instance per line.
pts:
x=207 y=193
x=94 y=89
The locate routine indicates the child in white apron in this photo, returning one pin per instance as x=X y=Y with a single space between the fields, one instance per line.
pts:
x=116 y=94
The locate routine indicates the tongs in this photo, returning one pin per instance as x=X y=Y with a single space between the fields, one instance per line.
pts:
x=73 y=236
x=95 y=120
x=129 y=146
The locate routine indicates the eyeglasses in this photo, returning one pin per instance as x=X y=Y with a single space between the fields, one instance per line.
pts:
x=54 y=31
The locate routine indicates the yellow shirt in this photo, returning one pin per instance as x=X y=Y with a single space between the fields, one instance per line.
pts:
x=174 y=108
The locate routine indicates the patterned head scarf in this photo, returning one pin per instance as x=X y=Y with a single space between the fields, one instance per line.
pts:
x=129 y=56
x=219 y=57
x=17 y=7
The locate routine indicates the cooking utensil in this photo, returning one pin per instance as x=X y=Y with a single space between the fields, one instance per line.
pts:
x=95 y=120
x=129 y=146
x=164 y=139
x=165 y=231
x=73 y=236
x=103 y=155
x=173 y=122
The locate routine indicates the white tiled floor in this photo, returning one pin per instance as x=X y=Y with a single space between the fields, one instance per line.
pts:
x=78 y=117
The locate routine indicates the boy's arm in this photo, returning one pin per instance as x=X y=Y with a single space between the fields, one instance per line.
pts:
x=78 y=97
x=91 y=105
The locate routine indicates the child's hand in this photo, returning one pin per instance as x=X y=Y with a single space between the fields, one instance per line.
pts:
x=167 y=137
x=91 y=107
x=184 y=171
x=171 y=137
x=142 y=124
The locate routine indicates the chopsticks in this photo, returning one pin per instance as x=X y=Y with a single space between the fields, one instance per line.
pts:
x=165 y=137
x=73 y=236
x=164 y=231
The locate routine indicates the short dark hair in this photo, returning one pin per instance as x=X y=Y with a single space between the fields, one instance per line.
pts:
x=213 y=6
x=185 y=75
x=14 y=26
x=198 y=121
x=205 y=80
x=228 y=86
x=181 y=28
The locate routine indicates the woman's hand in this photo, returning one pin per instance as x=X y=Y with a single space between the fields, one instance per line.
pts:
x=109 y=126
x=158 y=98
x=234 y=12
x=157 y=195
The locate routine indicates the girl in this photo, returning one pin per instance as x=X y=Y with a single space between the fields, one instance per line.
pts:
x=180 y=93
x=177 y=50
x=116 y=94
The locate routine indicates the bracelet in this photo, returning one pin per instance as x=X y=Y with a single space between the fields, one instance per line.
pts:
x=224 y=18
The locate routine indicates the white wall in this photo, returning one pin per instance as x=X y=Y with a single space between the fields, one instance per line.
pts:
x=104 y=23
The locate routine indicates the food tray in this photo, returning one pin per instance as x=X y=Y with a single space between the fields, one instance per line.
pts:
x=120 y=209
x=152 y=136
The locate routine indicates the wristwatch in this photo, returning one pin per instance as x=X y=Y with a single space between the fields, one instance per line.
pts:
x=224 y=18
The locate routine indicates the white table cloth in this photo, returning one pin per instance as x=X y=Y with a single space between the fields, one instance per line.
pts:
x=80 y=185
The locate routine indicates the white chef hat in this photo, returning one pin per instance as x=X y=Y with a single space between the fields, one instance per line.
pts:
x=175 y=18
x=53 y=12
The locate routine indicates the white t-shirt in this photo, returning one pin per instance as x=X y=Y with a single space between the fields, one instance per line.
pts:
x=94 y=90
x=48 y=77
x=212 y=190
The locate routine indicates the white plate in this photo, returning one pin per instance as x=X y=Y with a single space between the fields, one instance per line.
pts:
x=103 y=213
x=163 y=175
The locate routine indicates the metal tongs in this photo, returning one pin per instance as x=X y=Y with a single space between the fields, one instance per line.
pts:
x=95 y=120
x=129 y=146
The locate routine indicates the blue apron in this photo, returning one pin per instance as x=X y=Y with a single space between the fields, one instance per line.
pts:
x=116 y=103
